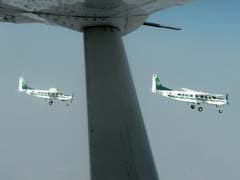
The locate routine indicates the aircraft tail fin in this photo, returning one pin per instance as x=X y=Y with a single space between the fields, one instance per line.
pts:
x=23 y=85
x=156 y=84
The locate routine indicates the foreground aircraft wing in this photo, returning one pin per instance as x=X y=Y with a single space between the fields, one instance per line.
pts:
x=153 y=6
x=127 y=15
x=200 y=92
x=73 y=6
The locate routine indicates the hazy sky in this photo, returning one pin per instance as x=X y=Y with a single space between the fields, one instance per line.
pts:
x=42 y=142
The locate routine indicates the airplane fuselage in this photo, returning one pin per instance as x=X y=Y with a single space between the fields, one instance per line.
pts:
x=194 y=97
x=47 y=94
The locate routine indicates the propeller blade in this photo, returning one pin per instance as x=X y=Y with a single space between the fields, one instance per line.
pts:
x=72 y=98
x=227 y=99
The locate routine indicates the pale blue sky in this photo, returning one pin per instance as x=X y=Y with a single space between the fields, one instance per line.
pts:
x=41 y=142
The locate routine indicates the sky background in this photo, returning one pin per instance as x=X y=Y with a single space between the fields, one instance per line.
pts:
x=42 y=142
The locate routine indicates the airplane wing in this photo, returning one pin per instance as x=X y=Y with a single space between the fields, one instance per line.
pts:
x=188 y=90
x=217 y=95
x=72 y=13
x=147 y=5
x=151 y=6
x=83 y=7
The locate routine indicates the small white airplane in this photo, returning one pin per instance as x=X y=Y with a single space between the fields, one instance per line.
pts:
x=50 y=95
x=195 y=98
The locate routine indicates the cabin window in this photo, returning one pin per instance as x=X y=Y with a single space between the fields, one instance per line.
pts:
x=191 y=95
x=197 y=96
x=214 y=97
x=179 y=94
x=202 y=96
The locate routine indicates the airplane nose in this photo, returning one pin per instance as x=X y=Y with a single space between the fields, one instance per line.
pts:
x=72 y=98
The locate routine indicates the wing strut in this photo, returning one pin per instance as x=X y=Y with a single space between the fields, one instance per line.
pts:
x=119 y=146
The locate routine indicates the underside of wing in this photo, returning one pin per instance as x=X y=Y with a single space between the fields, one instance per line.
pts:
x=151 y=6
x=127 y=15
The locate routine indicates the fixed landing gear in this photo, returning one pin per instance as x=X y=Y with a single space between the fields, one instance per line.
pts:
x=50 y=102
x=220 y=109
x=200 y=109
x=193 y=106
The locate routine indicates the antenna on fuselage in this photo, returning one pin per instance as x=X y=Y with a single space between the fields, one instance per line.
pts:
x=161 y=26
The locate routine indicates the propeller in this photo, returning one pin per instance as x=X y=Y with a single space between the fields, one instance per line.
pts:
x=72 y=98
x=227 y=99
x=161 y=26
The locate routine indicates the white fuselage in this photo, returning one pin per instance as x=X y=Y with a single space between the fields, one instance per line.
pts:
x=194 y=97
x=52 y=94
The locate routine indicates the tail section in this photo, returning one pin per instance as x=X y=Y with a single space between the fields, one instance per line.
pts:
x=156 y=84
x=23 y=85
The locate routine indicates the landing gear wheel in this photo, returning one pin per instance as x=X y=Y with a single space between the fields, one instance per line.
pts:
x=200 y=109
x=50 y=103
x=192 y=106
x=220 y=111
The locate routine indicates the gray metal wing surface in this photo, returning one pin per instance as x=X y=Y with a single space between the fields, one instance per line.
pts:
x=127 y=15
